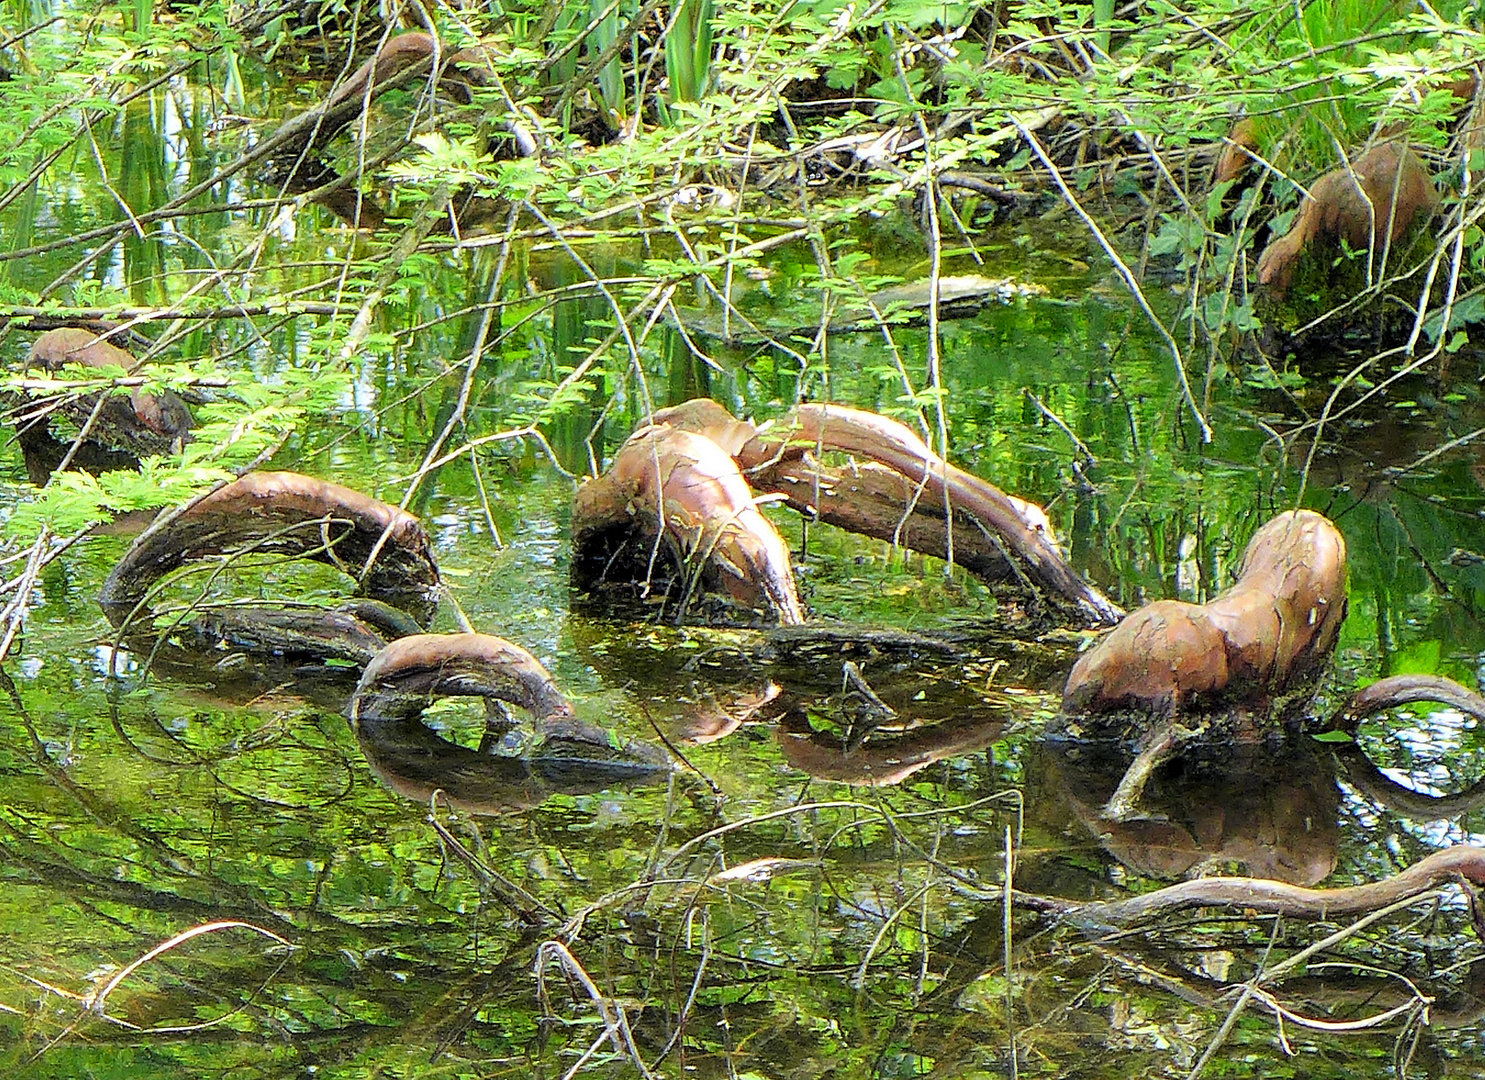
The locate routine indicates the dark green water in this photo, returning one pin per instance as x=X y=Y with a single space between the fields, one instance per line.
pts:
x=757 y=913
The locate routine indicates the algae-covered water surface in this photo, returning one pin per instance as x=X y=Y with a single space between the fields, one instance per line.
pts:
x=820 y=884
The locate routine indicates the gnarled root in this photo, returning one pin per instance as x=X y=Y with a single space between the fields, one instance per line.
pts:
x=1387 y=694
x=1253 y=652
x=1370 y=203
x=1267 y=897
x=281 y=513
x=900 y=498
x=1256 y=646
x=680 y=488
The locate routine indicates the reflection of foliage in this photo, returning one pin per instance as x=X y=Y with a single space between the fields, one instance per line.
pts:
x=629 y=253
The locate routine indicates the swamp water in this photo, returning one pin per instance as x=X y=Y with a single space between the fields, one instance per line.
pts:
x=817 y=891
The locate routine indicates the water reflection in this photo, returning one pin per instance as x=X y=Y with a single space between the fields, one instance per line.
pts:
x=414 y=761
x=1269 y=809
x=882 y=756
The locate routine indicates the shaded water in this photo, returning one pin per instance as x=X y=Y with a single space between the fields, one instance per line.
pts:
x=817 y=890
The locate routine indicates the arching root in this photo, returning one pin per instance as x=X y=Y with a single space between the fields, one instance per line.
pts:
x=1389 y=693
x=290 y=515
x=410 y=673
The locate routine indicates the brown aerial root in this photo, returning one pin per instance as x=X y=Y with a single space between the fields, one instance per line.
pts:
x=1363 y=773
x=1017 y=530
x=410 y=672
x=398 y=61
x=285 y=514
x=1370 y=203
x=681 y=489
x=1264 y=897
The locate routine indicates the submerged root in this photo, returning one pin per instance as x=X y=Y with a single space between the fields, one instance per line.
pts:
x=1265 y=897
x=385 y=549
x=1362 y=772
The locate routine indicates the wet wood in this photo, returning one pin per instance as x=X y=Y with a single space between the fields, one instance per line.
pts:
x=406 y=676
x=1369 y=204
x=402 y=678
x=286 y=514
x=120 y=431
x=672 y=486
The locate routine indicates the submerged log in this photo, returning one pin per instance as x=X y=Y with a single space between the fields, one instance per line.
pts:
x=1369 y=204
x=673 y=487
x=354 y=631
x=385 y=549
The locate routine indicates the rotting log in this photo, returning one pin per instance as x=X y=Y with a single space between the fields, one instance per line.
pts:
x=1369 y=203
x=1254 y=654
x=680 y=490
x=287 y=514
